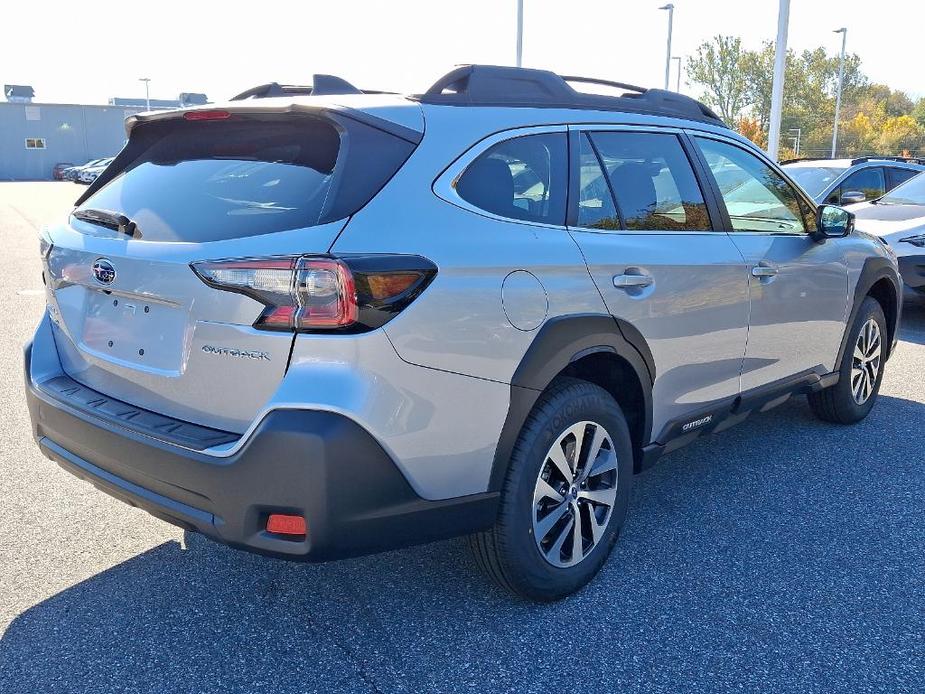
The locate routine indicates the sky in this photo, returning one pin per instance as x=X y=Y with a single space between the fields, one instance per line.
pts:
x=89 y=51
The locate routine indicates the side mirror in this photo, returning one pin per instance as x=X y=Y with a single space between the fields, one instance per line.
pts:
x=852 y=197
x=833 y=222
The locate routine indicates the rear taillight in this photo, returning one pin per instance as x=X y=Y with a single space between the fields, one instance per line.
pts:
x=320 y=293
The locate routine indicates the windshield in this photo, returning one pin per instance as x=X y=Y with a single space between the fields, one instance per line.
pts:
x=813 y=179
x=912 y=192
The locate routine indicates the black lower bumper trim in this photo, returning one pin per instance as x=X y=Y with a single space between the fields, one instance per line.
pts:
x=912 y=269
x=321 y=465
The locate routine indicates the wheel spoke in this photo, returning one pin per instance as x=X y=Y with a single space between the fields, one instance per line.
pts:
x=578 y=431
x=597 y=529
x=557 y=456
x=555 y=551
x=578 y=550
x=545 y=525
x=857 y=380
x=544 y=490
x=598 y=496
x=605 y=463
x=859 y=353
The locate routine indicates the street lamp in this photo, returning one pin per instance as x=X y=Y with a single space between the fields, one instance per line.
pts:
x=777 y=87
x=796 y=135
x=520 y=32
x=841 y=77
x=147 y=98
x=678 y=83
x=670 y=8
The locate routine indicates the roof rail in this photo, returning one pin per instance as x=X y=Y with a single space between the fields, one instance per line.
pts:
x=321 y=85
x=797 y=159
x=493 y=85
x=908 y=160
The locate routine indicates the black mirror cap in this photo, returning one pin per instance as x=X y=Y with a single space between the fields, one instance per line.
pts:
x=833 y=222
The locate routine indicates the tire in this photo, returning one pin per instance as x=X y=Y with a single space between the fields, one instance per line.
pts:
x=838 y=403
x=545 y=571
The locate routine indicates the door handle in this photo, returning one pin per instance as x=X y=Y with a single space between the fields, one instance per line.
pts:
x=628 y=281
x=765 y=270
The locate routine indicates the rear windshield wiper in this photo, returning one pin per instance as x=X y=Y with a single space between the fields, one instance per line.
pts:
x=110 y=220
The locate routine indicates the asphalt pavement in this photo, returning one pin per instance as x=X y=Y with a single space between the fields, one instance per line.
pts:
x=784 y=555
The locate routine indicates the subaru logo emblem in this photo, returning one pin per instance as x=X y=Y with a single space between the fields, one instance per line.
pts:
x=103 y=271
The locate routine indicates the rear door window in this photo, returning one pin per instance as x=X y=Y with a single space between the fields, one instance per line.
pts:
x=869 y=181
x=652 y=181
x=895 y=176
x=210 y=181
x=524 y=178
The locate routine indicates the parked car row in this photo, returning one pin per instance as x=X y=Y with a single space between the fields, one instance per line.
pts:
x=887 y=196
x=84 y=173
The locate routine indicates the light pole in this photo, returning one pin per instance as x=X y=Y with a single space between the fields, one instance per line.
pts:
x=670 y=8
x=147 y=98
x=678 y=83
x=841 y=77
x=777 y=88
x=796 y=135
x=520 y=32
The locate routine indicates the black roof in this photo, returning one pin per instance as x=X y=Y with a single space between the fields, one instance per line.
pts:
x=493 y=85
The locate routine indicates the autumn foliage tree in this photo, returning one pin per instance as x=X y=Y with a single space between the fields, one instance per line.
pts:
x=874 y=118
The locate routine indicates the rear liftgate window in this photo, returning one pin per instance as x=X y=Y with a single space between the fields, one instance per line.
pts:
x=245 y=176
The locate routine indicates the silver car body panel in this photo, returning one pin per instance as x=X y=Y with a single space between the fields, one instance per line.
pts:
x=433 y=385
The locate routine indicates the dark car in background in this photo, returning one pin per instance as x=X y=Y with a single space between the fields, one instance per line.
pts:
x=851 y=181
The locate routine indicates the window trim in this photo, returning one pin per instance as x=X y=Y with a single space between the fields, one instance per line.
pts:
x=444 y=186
x=693 y=158
x=761 y=156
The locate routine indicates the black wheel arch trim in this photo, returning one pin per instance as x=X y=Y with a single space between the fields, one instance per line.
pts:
x=560 y=342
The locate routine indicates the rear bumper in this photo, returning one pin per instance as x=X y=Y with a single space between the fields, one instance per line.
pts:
x=318 y=464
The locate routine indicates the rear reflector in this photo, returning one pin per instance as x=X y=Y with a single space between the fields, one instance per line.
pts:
x=282 y=524
x=213 y=114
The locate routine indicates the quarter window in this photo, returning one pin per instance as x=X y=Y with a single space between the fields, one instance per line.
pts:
x=895 y=176
x=652 y=181
x=757 y=198
x=522 y=178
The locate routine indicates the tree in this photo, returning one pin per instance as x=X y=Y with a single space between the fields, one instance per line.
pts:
x=900 y=134
x=752 y=129
x=717 y=66
x=858 y=136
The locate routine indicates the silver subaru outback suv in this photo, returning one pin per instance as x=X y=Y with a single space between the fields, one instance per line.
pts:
x=318 y=322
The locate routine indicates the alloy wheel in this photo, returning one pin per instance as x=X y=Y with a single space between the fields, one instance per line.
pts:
x=865 y=363
x=575 y=494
